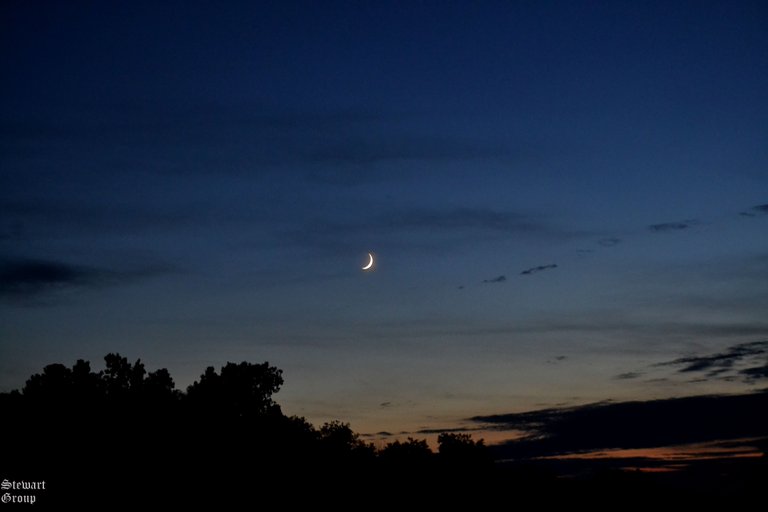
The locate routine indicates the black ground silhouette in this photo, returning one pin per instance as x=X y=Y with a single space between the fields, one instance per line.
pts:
x=124 y=437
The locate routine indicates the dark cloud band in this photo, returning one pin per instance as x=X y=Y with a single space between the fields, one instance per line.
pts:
x=25 y=278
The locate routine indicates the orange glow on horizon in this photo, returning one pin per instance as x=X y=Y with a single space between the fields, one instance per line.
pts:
x=681 y=454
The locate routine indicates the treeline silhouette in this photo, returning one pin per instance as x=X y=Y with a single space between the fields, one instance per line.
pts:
x=127 y=432
x=126 y=438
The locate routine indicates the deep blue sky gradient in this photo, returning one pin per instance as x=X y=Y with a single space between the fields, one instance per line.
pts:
x=194 y=183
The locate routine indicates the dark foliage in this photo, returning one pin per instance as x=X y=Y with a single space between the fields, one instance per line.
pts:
x=241 y=390
x=127 y=432
x=127 y=438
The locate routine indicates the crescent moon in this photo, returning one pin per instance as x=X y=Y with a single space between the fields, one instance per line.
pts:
x=370 y=263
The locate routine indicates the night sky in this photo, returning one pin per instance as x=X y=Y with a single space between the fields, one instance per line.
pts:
x=562 y=198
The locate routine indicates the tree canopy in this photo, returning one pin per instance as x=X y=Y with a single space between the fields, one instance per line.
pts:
x=226 y=428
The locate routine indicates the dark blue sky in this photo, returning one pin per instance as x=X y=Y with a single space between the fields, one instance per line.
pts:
x=557 y=193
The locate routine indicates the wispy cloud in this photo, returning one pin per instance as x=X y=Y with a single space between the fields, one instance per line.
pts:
x=432 y=226
x=442 y=430
x=467 y=218
x=28 y=277
x=761 y=209
x=540 y=268
x=450 y=219
x=609 y=241
x=23 y=279
x=323 y=146
x=499 y=279
x=628 y=376
x=726 y=364
x=756 y=372
x=670 y=226
x=30 y=217
x=358 y=150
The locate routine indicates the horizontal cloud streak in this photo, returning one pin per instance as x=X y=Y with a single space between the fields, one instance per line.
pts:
x=263 y=138
x=669 y=226
x=761 y=209
x=725 y=362
x=609 y=242
x=628 y=375
x=368 y=151
x=21 y=279
x=442 y=225
x=467 y=218
x=31 y=217
x=540 y=268
x=631 y=424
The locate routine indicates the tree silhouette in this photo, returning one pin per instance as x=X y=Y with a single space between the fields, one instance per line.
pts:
x=456 y=444
x=459 y=450
x=227 y=432
x=160 y=384
x=340 y=437
x=241 y=390
x=55 y=383
x=411 y=455
x=122 y=379
x=85 y=383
